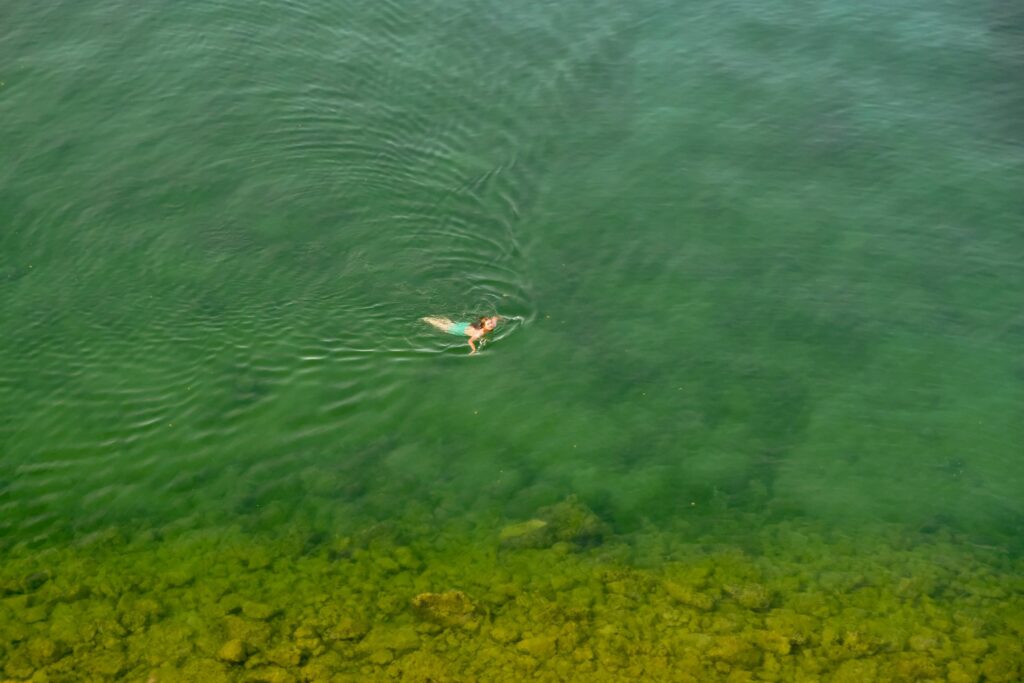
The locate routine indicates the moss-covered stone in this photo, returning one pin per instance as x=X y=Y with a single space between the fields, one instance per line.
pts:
x=688 y=596
x=451 y=608
x=400 y=639
x=268 y=674
x=540 y=647
x=573 y=522
x=856 y=671
x=43 y=651
x=135 y=613
x=17 y=665
x=255 y=633
x=233 y=651
x=734 y=650
x=504 y=634
x=258 y=610
x=200 y=669
x=753 y=596
x=1003 y=666
x=797 y=607
x=913 y=666
x=347 y=628
x=104 y=663
x=533 y=533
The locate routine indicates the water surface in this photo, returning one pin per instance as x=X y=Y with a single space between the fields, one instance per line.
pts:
x=760 y=265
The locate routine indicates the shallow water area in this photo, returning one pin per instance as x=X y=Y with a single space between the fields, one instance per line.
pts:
x=753 y=412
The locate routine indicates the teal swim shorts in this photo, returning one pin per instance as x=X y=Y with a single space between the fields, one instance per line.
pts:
x=457 y=328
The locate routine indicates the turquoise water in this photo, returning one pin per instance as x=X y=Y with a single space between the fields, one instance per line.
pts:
x=760 y=264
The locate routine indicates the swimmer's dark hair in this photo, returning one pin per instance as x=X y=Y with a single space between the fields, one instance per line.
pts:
x=479 y=324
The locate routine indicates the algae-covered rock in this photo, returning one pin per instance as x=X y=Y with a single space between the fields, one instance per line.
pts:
x=573 y=522
x=399 y=640
x=347 y=628
x=137 y=613
x=286 y=655
x=856 y=671
x=206 y=670
x=533 y=533
x=258 y=610
x=389 y=605
x=407 y=559
x=799 y=629
x=35 y=614
x=322 y=667
x=753 y=596
x=268 y=674
x=43 y=651
x=922 y=642
x=566 y=522
x=28 y=583
x=868 y=639
x=307 y=640
x=255 y=633
x=504 y=634
x=451 y=608
x=104 y=663
x=541 y=647
x=169 y=641
x=913 y=666
x=685 y=595
x=18 y=666
x=177 y=578
x=961 y=672
x=1002 y=667
x=735 y=650
x=233 y=651
x=773 y=642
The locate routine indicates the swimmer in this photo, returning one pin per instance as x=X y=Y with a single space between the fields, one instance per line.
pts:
x=475 y=331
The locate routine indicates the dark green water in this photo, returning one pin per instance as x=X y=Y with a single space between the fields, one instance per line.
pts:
x=760 y=265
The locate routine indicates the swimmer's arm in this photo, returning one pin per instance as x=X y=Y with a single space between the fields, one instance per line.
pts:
x=472 y=345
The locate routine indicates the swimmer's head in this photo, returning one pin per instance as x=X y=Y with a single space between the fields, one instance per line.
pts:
x=488 y=323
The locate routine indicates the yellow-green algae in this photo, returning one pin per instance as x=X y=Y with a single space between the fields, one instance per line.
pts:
x=413 y=603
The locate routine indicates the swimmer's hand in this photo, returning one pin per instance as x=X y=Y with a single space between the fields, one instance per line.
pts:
x=472 y=346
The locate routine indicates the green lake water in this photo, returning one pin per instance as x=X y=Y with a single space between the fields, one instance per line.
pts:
x=758 y=394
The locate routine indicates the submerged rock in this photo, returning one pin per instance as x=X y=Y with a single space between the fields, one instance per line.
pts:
x=136 y=614
x=254 y=632
x=541 y=647
x=752 y=596
x=307 y=640
x=347 y=628
x=451 y=608
x=234 y=651
x=567 y=522
x=533 y=533
x=17 y=666
x=686 y=595
x=269 y=674
x=43 y=651
x=504 y=635
x=573 y=522
x=258 y=610
x=399 y=640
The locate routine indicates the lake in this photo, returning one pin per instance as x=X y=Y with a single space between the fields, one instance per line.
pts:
x=754 y=410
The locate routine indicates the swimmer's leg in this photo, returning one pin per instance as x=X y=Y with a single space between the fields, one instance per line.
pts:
x=442 y=324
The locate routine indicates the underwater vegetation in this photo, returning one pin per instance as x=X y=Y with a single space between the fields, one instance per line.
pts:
x=557 y=597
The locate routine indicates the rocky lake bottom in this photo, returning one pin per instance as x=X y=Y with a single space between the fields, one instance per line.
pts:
x=558 y=597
